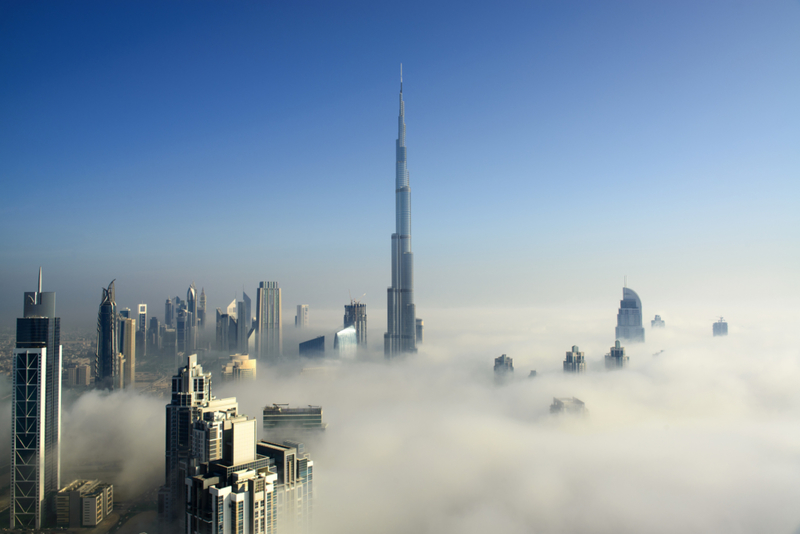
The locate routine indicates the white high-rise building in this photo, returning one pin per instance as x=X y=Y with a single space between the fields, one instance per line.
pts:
x=269 y=335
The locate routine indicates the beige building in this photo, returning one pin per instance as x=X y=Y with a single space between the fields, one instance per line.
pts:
x=240 y=367
x=84 y=503
x=129 y=352
x=79 y=375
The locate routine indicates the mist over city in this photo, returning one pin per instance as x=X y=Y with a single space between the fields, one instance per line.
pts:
x=214 y=318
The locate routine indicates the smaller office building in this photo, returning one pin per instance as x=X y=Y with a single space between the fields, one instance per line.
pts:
x=84 y=503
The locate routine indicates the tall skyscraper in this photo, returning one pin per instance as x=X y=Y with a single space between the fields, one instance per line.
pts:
x=355 y=314
x=575 y=361
x=169 y=313
x=141 y=332
x=129 y=350
x=401 y=333
x=720 y=328
x=35 y=410
x=105 y=360
x=154 y=336
x=242 y=327
x=191 y=397
x=269 y=334
x=301 y=319
x=201 y=309
x=629 y=317
x=191 y=302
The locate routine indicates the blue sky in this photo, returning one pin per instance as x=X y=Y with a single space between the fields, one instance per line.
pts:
x=553 y=148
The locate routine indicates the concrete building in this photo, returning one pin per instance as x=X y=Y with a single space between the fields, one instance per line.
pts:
x=575 y=362
x=401 y=334
x=720 y=328
x=239 y=368
x=78 y=375
x=616 y=358
x=269 y=333
x=279 y=416
x=629 y=317
x=128 y=353
x=35 y=470
x=301 y=319
x=313 y=348
x=355 y=315
x=420 y=331
x=568 y=405
x=657 y=322
x=84 y=503
x=245 y=487
x=191 y=397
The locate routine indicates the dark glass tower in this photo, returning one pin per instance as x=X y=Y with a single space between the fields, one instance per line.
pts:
x=629 y=317
x=36 y=410
x=106 y=363
x=401 y=332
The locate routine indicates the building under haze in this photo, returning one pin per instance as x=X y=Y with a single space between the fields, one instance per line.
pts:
x=127 y=377
x=84 y=503
x=657 y=322
x=313 y=348
x=106 y=362
x=169 y=310
x=141 y=331
x=35 y=469
x=269 y=333
x=355 y=314
x=345 y=342
x=720 y=328
x=570 y=405
x=238 y=368
x=191 y=397
x=201 y=309
x=629 y=317
x=401 y=334
x=616 y=358
x=301 y=319
x=503 y=368
x=575 y=361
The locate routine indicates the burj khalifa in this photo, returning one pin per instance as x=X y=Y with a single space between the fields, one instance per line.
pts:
x=401 y=332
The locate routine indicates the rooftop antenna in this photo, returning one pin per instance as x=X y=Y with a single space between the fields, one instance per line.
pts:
x=401 y=77
x=40 y=279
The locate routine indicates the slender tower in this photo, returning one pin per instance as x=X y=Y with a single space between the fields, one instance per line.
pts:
x=401 y=333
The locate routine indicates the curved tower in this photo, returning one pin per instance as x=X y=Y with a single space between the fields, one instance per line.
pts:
x=629 y=317
x=401 y=332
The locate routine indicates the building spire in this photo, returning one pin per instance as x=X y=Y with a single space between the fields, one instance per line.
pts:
x=401 y=77
x=40 y=279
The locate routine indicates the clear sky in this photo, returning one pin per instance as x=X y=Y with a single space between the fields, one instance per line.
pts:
x=553 y=147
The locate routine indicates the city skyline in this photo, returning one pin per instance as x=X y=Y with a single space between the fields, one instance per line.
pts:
x=693 y=137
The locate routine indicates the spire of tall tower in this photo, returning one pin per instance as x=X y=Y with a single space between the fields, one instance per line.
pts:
x=40 y=269
x=401 y=78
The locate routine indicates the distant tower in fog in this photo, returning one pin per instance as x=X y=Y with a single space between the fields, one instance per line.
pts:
x=657 y=322
x=401 y=313
x=141 y=332
x=720 y=328
x=503 y=368
x=616 y=359
x=169 y=313
x=575 y=362
x=355 y=314
x=201 y=309
x=629 y=317
x=269 y=336
x=301 y=319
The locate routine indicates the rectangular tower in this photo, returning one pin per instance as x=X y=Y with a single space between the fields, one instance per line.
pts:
x=35 y=410
x=301 y=319
x=269 y=336
x=355 y=314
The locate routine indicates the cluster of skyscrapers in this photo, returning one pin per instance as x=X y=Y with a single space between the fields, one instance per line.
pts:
x=219 y=479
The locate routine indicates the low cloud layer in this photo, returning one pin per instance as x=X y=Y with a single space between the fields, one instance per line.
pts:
x=703 y=437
